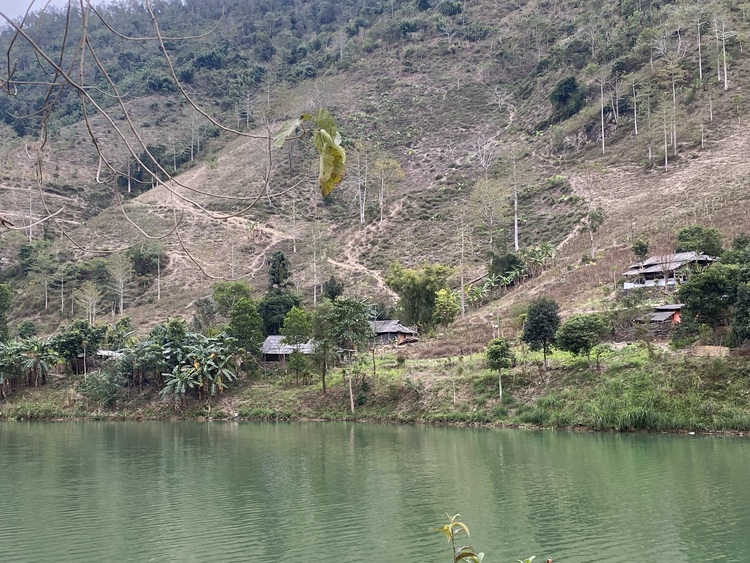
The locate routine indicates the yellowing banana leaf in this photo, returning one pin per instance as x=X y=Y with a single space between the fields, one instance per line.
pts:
x=332 y=161
x=324 y=120
x=327 y=140
x=289 y=129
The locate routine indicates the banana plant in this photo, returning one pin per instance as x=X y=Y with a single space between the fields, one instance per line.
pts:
x=206 y=365
x=451 y=530
x=327 y=141
x=10 y=369
x=37 y=359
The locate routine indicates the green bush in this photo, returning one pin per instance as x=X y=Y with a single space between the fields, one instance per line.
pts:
x=102 y=388
x=449 y=7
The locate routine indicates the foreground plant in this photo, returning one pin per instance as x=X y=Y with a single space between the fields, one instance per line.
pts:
x=463 y=553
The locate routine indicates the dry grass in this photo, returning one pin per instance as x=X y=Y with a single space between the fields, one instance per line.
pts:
x=426 y=115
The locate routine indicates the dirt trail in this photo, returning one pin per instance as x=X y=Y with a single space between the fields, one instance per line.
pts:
x=356 y=241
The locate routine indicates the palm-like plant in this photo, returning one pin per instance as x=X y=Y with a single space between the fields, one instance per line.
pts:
x=10 y=369
x=476 y=293
x=205 y=364
x=37 y=358
x=537 y=257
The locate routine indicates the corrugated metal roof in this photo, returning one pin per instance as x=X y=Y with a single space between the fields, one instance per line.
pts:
x=668 y=262
x=662 y=316
x=669 y=307
x=274 y=345
x=390 y=327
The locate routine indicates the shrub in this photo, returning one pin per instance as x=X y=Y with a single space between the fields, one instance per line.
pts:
x=449 y=7
x=102 y=388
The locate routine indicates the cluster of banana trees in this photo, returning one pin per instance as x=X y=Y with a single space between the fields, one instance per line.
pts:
x=173 y=360
x=533 y=261
x=26 y=361
x=203 y=365
x=538 y=257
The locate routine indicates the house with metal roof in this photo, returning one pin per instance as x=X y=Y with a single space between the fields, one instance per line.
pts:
x=274 y=348
x=669 y=313
x=392 y=332
x=664 y=270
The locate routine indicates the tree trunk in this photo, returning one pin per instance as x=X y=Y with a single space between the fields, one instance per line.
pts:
x=674 y=117
x=724 y=56
x=601 y=103
x=666 y=149
x=515 y=203
x=351 y=394
x=700 y=56
x=635 y=109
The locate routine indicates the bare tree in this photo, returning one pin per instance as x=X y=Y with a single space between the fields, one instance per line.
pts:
x=42 y=272
x=338 y=43
x=120 y=269
x=594 y=220
x=489 y=206
x=360 y=164
x=601 y=82
x=462 y=235
x=674 y=73
x=666 y=265
x=89 y=296
x=635 y=107
x=722 y=35
x=385 y=171
x=502 y=97
x=317 y=244
x=485 y=151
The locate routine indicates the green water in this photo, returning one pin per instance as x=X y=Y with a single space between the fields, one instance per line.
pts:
x=338 y=492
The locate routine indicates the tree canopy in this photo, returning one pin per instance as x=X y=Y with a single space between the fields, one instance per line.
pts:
x=417 y=290
x=349 y=323
x=697 y=238
x=6 y=299
x=297 y=328
x=580 y=333
x=274 y=307
x=279 y=270
x=709 y=295
x=542 y=322
x=246 y=325
x=227 y=293
x=447 y=307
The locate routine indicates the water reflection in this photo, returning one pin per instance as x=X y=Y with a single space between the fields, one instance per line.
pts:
x=346 y=492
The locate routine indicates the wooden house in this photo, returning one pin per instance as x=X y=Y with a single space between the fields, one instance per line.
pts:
x=392 y=332
x=274 y=349
x=669 y=313
x=664 y=270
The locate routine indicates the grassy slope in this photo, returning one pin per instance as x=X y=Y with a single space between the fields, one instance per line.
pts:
x=630 y=389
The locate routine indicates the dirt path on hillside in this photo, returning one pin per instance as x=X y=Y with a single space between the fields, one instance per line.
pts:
x=352 y=264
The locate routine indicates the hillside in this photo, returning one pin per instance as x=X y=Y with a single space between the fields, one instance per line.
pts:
x=450 y=91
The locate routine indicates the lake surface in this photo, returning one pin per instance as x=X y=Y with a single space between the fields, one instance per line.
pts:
x=170 y=491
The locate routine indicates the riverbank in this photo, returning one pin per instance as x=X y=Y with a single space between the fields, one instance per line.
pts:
x=635 y=388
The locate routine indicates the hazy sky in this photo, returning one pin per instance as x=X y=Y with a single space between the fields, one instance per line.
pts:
x=16 y=8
